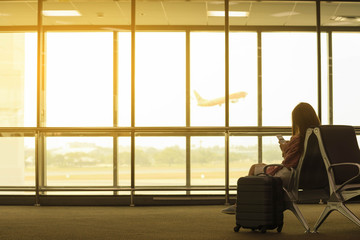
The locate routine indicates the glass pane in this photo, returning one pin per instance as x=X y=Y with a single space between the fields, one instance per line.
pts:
x=207 y=161
x=87 y=12
x=124 y=161
x=18 y=13
x=124 y=79
x=289 y=75
x=160 y=79
x=79 y=161
x=243 y=154
x=17 y=161
x=160 y=161
x=207 y=73
x=346 y=72
x=271 y=150
x=79 y=79
x=324 y=79
x=18 y=79
x=243 y=79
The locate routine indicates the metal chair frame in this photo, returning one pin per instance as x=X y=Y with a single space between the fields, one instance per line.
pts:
x=339 y=193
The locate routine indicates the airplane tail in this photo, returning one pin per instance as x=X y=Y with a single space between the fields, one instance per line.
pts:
x=198 y=97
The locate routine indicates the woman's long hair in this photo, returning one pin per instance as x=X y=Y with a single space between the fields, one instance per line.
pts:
x=303 y=117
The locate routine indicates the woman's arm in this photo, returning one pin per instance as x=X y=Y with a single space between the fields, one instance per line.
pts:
x=283 y=145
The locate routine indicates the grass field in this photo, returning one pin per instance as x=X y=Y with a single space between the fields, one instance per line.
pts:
x=163 y=175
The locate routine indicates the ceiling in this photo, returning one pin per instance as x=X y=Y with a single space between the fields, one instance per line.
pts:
x=179 y=12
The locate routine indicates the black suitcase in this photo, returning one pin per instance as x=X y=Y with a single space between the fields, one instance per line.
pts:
x=260 y=203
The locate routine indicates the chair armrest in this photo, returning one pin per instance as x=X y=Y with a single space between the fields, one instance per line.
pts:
x=349 y=180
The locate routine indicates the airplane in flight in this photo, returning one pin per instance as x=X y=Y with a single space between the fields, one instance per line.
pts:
x=234 y=97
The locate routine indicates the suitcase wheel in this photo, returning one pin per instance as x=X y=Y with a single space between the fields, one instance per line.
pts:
x=279 y=228
x=237 y=228
x=263 y=229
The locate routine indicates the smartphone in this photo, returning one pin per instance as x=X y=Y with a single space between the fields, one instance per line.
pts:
x=281 y=138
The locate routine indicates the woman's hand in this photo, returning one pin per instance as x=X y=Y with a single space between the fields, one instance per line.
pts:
x=283 y=144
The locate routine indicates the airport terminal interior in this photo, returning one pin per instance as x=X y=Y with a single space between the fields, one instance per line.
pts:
x=116 y=110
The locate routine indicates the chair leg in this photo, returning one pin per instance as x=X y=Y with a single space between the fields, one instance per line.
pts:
x=326 y=212
x=347 y=213
x=338 y=206
x=295 y=209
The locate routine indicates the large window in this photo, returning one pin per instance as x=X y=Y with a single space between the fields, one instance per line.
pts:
x=160 y=161
x=207 y=79
x=243 y=154
x=79 y=79
x=271 y=150
x=124 y=161
x=17 y=161
x=207 y=161
x=96 y=100
x=124 y=79
x=160 y=79
x=18 y=79
x=243 y=79
x=346 y=52
x=17 y=107
x=79 y=161
x=289 y=75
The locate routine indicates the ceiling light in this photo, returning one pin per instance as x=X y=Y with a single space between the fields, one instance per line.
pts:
x=231 y=14
x=285 y=14
x=61 y=13
x=346 y=18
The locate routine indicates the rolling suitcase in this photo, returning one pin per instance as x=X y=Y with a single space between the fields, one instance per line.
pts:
x=260 y=203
